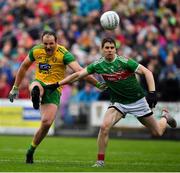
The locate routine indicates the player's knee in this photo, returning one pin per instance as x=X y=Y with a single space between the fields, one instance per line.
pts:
x=104 y=129
x=46 y=123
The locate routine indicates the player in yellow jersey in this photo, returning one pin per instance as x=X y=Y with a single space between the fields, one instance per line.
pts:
x=51 y=61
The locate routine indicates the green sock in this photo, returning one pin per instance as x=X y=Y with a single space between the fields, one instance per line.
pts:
x=31 y=150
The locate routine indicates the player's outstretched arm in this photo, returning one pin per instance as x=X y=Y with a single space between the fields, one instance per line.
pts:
x=74 y=77
x=20 y=75
x=76 y=67
x=68 y=80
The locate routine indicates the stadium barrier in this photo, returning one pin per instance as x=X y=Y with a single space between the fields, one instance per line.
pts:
x=98 y=110
x=82 y=119
x=19 y=117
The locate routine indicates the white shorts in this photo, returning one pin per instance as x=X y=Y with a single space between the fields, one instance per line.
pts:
x=139 y=108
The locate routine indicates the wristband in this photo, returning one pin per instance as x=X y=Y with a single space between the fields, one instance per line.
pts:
x=15 y=87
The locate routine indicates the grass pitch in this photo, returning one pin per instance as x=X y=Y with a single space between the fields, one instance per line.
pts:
x=60 y=154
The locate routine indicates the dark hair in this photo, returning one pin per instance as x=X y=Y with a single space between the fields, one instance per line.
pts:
x=49 y=33
x=108 y=39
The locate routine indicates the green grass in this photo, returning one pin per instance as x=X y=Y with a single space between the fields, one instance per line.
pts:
x=60 y=154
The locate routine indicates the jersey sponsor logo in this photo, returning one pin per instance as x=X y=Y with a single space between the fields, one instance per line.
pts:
x=44 y=68
x=120 y=75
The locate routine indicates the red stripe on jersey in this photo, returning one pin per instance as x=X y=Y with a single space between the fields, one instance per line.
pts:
x=121 y=75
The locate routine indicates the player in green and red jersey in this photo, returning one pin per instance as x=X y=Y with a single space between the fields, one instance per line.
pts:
x=126 y=94
x=51 y=61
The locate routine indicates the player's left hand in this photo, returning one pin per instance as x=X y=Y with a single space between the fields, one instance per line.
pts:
x=52 y=87
x=13 y=93
x=102 y=86
x=151 y=99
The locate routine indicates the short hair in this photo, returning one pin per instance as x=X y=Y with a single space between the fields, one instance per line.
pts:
x=49 y=33
x=108 y=39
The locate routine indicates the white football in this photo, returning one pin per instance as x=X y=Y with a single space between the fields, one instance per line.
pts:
x=109 y=20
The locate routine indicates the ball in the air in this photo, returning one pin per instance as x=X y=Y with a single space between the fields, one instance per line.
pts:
x=109 y=20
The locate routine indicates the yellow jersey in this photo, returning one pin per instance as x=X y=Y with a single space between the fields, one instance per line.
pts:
x=50 y=69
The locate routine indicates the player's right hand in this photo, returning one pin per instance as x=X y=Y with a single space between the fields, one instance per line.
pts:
x=13 y=93
x=52 y=87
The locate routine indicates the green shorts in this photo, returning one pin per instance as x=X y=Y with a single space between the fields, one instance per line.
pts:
x=49 y=96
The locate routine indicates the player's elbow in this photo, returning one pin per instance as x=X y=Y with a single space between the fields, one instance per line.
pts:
x=144 y=71
x=79 y=69
x=149 y=72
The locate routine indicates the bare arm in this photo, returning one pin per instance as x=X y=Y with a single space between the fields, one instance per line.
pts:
x=22 y=71
x=79 y=74
x=76 y=67
x=148 y=75
x=74 y=77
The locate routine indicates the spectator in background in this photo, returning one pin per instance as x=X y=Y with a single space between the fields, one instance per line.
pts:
x=7 y=69
x=144 y=24
x=84 y=98
x=68 y=94
x=169 y=81
x=176 y=55
x=8 y=40
x=93 y=55
x=87 y=6
x=24 y=41
x=87 y=95
x=4 y=86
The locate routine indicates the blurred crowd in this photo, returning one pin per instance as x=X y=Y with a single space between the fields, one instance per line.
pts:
x=149 y=32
